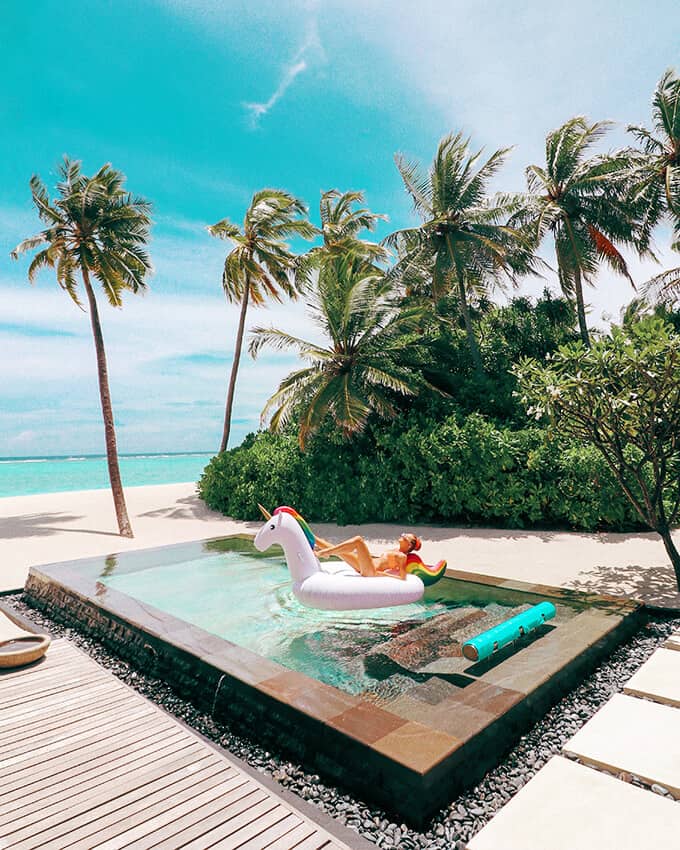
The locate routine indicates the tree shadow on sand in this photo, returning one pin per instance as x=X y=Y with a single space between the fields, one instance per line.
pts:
x=655 y=586
x=43 y=525
x=191 y=508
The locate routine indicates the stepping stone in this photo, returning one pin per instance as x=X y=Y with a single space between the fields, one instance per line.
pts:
x=658 y=678
x=673 y=641
x=635 y=736
x=567 y=806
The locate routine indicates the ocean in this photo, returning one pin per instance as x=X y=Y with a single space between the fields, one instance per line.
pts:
x=27 y=475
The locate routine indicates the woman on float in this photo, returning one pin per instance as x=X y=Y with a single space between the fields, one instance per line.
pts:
x=354 y=552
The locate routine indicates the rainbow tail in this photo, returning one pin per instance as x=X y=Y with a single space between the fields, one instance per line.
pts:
x=427 y=574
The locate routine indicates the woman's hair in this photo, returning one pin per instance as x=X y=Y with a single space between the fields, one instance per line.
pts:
x=414 y=541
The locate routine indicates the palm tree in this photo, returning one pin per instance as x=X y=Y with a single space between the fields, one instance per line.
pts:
x=655 y=175
x=260 y=264
x=580 y=201
x=362 y=367
x=95 y=229
x=341 y=223
x=463 y=243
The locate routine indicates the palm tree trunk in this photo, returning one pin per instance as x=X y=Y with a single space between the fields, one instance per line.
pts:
x=234 y=369
x=124 y=527
x=465 y=309
x=470 y=331
x=580 y=307
x=672 y=551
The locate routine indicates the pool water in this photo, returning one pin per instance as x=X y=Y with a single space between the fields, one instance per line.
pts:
x=246 y=598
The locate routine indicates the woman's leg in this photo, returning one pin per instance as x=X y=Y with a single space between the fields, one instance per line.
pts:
x=355 y=552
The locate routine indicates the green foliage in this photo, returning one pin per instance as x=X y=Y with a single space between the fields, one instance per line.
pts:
x=581 y=201
x=522 y=328
x=464 y=245
x=361 y=367
x=451 y=470
x=623 y=398
x=259 y=265
x=655 y=170
x=93 y=227
x=264 y=468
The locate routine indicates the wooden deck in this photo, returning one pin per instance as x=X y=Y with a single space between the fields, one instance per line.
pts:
x=86 y=762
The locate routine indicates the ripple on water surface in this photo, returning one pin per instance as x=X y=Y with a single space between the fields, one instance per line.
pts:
x=248 y=600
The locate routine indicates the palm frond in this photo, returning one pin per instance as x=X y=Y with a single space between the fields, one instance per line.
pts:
x=417 y=185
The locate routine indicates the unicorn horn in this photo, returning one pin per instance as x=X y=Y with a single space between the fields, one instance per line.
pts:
x=264 y=511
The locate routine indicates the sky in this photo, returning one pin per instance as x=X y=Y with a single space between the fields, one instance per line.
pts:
x=203 y=102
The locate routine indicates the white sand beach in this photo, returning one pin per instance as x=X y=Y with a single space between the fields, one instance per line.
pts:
x=60 y=526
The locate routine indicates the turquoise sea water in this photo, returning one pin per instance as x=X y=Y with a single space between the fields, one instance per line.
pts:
x=25 y=476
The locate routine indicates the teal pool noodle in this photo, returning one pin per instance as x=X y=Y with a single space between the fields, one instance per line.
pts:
x=485 y=644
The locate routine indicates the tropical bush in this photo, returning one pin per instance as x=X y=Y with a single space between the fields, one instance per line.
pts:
x=452 y=470
x=622 y=397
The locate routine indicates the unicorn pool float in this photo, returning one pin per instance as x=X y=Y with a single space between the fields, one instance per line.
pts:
x=360 y=580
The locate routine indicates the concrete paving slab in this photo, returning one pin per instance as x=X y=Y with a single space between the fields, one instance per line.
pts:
x=567 y=806
x=633 y=735
x=658 y=678
x=673 y=641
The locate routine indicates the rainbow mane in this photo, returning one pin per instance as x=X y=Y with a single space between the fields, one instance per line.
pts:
x=427 y=574
x=284 y=509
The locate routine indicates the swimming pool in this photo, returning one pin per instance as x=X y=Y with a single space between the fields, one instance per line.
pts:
x=382 y=700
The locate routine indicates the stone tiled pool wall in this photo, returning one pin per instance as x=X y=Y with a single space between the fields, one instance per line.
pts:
x=412 y=757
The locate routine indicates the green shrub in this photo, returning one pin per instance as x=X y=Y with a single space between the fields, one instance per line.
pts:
x=454 y=470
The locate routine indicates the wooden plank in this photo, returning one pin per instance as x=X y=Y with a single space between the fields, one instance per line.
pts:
x=74 y=740
x=239 y=798
x=194 y=765
x=22 y=729
x=188 y=827
x=20 y=696
x=232 y=825
x=151 y=835
x=315 y=842
x=291 y=840
x=55 y=657
x=61 y=794
x=102 y=722
x=64 y=664
x=39 y=759
x=244 y=836
x=86 y=762
x=66 y=770
x=72 y=824
x=41 y=707
x=46 y=673
x=279 y=830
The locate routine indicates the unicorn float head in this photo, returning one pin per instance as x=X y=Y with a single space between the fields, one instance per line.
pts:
x=337 y=586
x=289 y=530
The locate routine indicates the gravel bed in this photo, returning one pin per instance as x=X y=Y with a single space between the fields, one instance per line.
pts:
x=465 y=816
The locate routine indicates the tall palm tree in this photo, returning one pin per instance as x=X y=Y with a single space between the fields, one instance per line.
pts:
x=361 y=369
x=655 y=175
x=580 y=201
x=464 y=242
x=95 y=229
x=260 y=265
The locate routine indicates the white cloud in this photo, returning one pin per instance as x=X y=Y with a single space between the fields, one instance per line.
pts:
x=156 y=347
x=311 y=50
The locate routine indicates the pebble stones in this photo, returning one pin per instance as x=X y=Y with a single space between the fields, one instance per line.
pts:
x=465 y=816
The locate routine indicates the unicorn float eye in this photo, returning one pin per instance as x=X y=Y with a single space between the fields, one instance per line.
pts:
x=272 y=527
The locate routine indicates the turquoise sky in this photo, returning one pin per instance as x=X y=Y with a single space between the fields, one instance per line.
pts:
x=202 y=102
